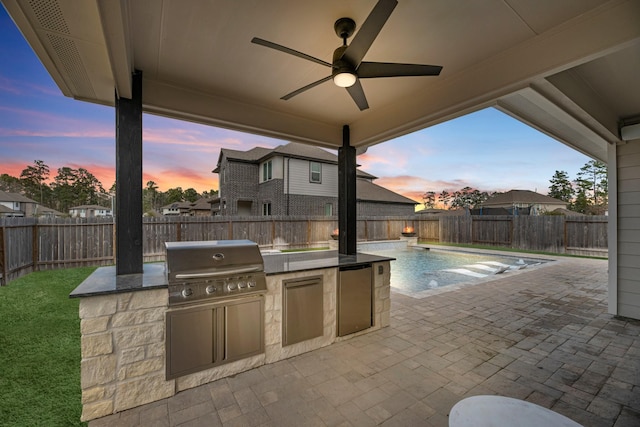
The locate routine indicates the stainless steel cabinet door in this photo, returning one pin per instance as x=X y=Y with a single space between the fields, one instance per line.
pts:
x=354 y=300
x=190 y=344
x=244 y=328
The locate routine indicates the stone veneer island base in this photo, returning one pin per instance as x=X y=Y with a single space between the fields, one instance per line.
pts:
x=123 y=328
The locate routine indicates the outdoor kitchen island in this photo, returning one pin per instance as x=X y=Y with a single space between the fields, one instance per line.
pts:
x=124 y=318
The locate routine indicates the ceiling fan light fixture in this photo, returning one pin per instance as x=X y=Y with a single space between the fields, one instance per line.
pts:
x=344 y=79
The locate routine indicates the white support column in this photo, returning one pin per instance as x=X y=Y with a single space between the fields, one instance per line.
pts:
x=612 y=230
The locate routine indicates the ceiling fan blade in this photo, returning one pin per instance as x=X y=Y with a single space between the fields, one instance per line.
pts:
x=307 y=87
x=369 y=70
x=369 y=31
x=357 y=93
x=285 y=49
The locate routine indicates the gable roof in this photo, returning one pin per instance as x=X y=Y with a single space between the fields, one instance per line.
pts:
x=6 y=210
x=368 y=191
x=292 y=149
x=522 y=196
x=14 y=197
x=201 y=204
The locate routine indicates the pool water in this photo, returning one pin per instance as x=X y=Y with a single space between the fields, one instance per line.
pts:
x=418 y=269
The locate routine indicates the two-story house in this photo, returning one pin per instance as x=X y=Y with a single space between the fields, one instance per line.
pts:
x=17 y=205
x=294 y=179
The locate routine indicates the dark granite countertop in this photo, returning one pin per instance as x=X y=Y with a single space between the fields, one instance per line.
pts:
x=279 y=263
x=104 y=281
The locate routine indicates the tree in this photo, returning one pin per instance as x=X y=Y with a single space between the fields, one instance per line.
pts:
x=429 y=199
x=592 y=182
x=173 y=195
x=33 y=180
x=445 y=198
x=150 y=197
x=190 y=195
x=10 y=184
x=72 y=187
x=561 y=187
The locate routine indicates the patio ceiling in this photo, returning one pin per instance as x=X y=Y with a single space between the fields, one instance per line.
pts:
x=569 y=68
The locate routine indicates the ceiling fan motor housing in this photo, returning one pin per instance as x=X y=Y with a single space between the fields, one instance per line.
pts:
x=341 y=64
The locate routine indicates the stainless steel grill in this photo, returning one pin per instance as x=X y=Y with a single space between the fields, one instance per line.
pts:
x=212 y=270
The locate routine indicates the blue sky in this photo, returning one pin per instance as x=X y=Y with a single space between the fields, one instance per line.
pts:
x=487 y=150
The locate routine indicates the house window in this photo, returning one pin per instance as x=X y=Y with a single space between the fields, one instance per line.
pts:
x=267 y=170
x=328 y=209
x=315 y=172
x=266 y=209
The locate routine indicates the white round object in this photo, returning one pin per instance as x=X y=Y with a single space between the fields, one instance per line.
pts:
x=499 y=411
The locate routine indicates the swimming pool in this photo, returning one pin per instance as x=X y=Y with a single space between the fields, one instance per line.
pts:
x=418 y=269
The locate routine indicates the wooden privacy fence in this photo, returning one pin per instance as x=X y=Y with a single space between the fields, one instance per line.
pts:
x=29 y=244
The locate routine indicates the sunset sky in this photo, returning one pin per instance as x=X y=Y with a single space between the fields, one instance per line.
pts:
x=487 y=150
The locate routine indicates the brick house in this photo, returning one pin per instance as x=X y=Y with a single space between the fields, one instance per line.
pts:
x=294 y=179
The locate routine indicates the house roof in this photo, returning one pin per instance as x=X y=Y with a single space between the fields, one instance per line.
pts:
x=4 y=209
x=522 y=196
x=44 y=209
x=292 y=149
x=14 y=197
x=201 y=204
x=368 y=191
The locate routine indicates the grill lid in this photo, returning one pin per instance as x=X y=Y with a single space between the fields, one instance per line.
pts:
x=211 y=270
x=214 y=258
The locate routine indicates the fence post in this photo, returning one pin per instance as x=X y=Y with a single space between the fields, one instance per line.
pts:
x=3 y=259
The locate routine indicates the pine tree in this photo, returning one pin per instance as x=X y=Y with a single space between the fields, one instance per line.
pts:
x=561 y=187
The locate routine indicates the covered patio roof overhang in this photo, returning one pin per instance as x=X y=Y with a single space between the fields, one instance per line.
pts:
x=570 y=69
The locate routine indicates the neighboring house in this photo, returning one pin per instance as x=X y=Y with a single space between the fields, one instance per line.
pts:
x=200 y=207
x=46 y=212
x=17 y=205
x=519 y=202
x=89 y=211
x=177 y=209
x=294 y=179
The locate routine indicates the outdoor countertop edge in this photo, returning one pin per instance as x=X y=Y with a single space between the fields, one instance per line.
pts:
x=104 y=281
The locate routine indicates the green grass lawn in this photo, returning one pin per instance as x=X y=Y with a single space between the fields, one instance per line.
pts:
x=40 y=350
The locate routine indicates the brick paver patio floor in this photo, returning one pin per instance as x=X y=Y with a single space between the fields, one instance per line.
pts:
x=542 y=335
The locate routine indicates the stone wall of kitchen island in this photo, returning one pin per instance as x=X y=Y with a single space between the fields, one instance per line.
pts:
x=123 y=351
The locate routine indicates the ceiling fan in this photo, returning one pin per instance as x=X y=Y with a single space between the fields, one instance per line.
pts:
x=348 y=67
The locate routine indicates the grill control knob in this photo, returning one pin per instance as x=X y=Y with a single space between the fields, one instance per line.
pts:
x=232 y=286
x=242 y=284
x=251 y=283
x=187 y=292
x=211 y=289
